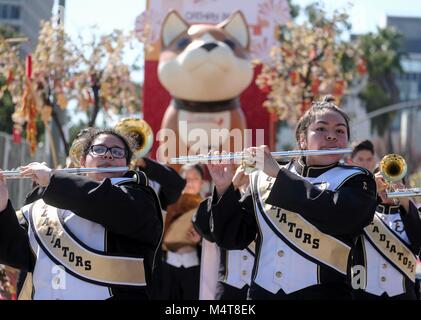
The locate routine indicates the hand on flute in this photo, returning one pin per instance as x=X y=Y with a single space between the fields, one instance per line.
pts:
x=38 y=172
x=263 y=160
x=221 y=173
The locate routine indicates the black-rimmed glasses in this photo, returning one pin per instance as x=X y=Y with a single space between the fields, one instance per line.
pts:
x=100 y=150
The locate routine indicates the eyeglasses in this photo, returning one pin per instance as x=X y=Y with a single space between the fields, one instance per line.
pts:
x=100 y=150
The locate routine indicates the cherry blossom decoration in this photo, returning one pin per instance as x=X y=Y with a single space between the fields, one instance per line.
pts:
x=92 y=73
x=18 y=85
x=103 y=79
x=270 y=15
x=310 y=60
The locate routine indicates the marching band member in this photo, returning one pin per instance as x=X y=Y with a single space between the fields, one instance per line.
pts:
x=389 y=248
x=91 y=237
x=235 y=267
x=168 y=185
x=181 y=266
x=163 y=179
x=72 y=161
x=305 y=214
x=363 y=155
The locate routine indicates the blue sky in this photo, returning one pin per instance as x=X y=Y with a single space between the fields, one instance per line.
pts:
x=106 y=14
x=110 y=14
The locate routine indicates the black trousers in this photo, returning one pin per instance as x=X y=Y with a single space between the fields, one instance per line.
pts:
x=179 y=283
x=330 y=291
x=227 y=292
x=363 y=295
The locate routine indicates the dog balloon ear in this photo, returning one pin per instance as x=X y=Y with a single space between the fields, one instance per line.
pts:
x=237 y=27
x=173 y=26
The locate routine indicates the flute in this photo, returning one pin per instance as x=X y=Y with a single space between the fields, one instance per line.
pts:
x=242 y=156
x=15 y=174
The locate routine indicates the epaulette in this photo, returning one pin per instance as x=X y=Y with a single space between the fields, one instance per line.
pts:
x=348 y=166
x=131 y=177
x=21 y=217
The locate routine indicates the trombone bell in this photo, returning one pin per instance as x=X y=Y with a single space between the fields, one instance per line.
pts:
x=393 y=167
x=139 y=130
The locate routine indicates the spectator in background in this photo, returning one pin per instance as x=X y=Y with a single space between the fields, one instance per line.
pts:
x=363 y=155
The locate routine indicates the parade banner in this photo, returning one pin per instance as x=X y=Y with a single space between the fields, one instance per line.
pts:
x=263 y=16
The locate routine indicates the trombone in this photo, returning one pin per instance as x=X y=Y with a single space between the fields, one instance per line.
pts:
x=15 y=174
x=393 y=167
x=140 y=131
x=403 y=193
x=241 y=156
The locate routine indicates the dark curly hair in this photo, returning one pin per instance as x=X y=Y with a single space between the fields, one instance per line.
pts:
x=90 y=136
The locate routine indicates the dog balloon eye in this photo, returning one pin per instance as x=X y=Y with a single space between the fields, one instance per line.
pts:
x=230 y=43
x=182 y=43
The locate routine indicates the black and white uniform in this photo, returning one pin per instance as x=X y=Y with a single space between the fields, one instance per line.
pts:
x=333 y=202
x=236 y=274
x=168 y=185
x=71 y=252
x=235 y=267
x=166 y=182
x=384 y=279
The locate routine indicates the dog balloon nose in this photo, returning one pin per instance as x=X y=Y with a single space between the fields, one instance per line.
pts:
x=209 y=46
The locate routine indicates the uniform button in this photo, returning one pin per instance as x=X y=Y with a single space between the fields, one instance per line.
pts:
x=383 y=279
x=281 y=253
x=278 y=274
x=244 y=272
x=245 y=258
x=384 y=265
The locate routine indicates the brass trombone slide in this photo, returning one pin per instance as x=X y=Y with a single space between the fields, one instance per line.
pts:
x=404 y=193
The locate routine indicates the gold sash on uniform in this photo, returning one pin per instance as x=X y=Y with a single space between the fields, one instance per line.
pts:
x=252 y=247
x=300 y=233
x=80 y=260
x=391 y=247
x=27 y=288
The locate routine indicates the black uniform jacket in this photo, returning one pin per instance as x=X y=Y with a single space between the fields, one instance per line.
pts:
x=129 y=212
x=172 y=184
x=412 y=225
x=231 y=222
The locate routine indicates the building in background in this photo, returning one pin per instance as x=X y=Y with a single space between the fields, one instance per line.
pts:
x=409 y=84
x=410 y=81
x=404 y=129
x=24 y=16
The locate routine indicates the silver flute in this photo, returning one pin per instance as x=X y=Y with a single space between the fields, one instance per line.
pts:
x=15 y=174
x=404 y=193
x=242 y=156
